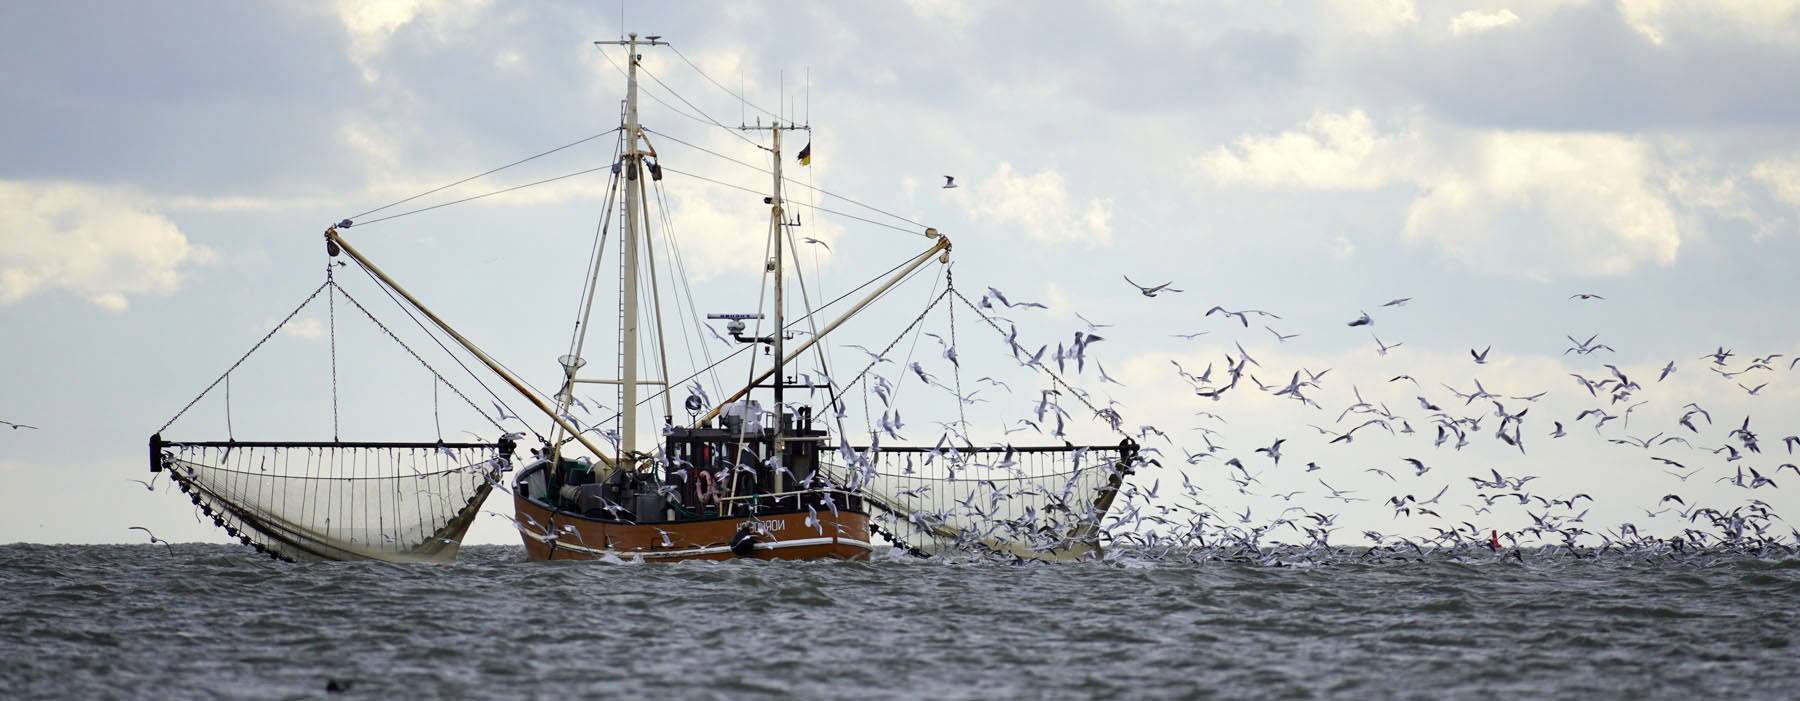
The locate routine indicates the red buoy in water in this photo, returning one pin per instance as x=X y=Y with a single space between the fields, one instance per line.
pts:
x=1493 y=540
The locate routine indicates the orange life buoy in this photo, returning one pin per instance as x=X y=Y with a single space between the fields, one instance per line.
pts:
x=704 y=488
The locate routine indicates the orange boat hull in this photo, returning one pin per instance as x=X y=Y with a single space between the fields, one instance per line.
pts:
x=565 y=536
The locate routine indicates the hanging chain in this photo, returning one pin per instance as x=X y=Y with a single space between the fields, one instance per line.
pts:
x=434 y=408
x=228 y=434
x=1055 y=378
x=890 y=346
x=415 y=355
x=331 y=316
x=240 y=361
x=955 y=363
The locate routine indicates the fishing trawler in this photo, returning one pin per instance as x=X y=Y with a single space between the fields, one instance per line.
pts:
x=735 y=479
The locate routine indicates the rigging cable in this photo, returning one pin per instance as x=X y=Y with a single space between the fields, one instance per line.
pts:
x=808 y=186
x=485 y=174
x=822 y=307
x=708 y=118
x=472 y=198
x=716 y=84
x=752 y=191
x=446 y=349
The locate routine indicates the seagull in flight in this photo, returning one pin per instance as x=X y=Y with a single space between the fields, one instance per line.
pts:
x=1481 y=358
x=1151 y=291
x=809 y=239
x=1585 y=296
x=153 y=539
x=949 y=182
x=1363 y=320
x=1400 y=302
x=16 y=426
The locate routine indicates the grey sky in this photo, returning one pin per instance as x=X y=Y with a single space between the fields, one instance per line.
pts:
x=167 y=170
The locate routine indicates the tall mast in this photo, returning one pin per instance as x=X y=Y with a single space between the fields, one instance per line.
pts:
x=628 y=294
x=780 y=285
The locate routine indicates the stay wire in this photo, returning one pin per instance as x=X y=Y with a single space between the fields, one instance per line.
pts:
x=790 y=324
x=707 y=118
x=787 y=180
x=752 y=191
x=484 y=174
x=716 y=84
x=440 y=344
x=472 y=198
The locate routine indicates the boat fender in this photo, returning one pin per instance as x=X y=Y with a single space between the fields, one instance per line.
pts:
x=744 y=543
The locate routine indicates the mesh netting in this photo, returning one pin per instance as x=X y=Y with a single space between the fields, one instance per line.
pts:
x=1039 y=503
x=397 y=502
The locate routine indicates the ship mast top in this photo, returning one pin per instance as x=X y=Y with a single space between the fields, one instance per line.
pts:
x=628 y=294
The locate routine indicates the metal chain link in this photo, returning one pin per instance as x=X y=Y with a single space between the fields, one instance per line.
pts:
x=415 y=355
x=890 y=346
x=956 y=363
x=246 y=356
x=331 y=315
x=1079 y=396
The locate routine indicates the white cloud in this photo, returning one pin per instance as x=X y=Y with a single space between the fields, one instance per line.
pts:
x=1781 y=177
x=372 y=23
x=1040 y=205
x=1476 y=21
x=307 y=327
x=1775 y=21
x=1373 y=17
x=1524 y=202
x=957 y=14
x=1330 y=152
x=100 y=243
x=1594 y=195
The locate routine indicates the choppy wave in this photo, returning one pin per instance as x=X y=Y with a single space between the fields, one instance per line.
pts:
x=211 y=621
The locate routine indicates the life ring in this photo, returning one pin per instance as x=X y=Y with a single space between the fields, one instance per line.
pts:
x=704 y=489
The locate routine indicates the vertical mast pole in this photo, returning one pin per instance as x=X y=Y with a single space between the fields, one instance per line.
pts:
x=628 y=292
x=775 y=218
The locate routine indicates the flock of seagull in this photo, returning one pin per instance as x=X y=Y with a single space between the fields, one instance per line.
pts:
x=1502 y=515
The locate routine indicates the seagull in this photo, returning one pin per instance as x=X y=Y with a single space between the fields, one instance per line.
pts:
x=1363 y=320
x=1666 y=371
x=153 y=539
x=1753 y=390
x=1151 y=291
x=16 y=426
x=151 y=485
x=1398 y=302
x=809 y=239
x=949 y=182
x=1280 y=336
x=1481 y=358
x=1380 y=347
x=1274 y=450
x=1584 y=296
